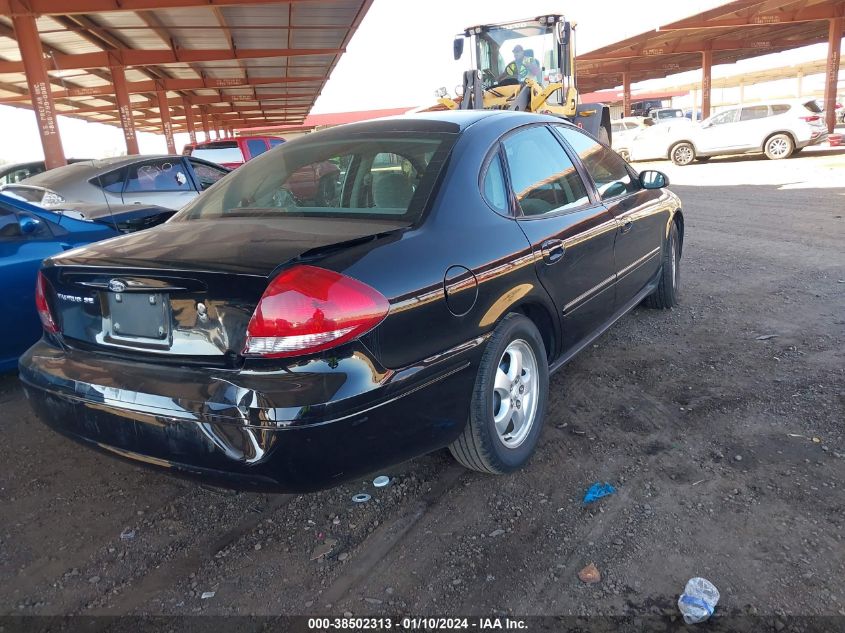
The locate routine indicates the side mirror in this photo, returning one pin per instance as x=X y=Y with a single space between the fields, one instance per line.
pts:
x=458 y=47
x=29 y=225
x=653 y=179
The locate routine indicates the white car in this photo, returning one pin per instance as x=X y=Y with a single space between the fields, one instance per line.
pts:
x=777 y=128
x=623 y=131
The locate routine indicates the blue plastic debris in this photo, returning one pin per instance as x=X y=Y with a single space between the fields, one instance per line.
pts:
x=597 y=491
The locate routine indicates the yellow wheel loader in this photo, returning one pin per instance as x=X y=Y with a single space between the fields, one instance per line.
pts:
x=528 y=66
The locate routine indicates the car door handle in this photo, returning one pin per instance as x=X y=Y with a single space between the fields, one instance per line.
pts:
x=626 y=226
x=552 y=251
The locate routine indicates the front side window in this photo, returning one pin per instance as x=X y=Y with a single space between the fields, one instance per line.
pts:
x=754 y=112
x=379 y=175
x=543 y=178
x=607 y=169
x=157 y=176
x=9 y=227
x=725 y=117
x=206 y=174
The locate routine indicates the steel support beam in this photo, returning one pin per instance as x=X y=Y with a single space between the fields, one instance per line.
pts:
x=626 y=94
x=189 y=119
x=29 y=43
x=752 y=43
x=706 y=82
x=124 y=106
x=69 y=7
x=131 y=57
x=834 y=41
x=166 y=126
x=174 y=85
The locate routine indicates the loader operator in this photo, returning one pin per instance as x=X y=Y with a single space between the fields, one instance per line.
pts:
x=523 y=66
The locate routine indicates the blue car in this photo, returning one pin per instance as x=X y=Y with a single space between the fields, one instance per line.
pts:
x=28 y=234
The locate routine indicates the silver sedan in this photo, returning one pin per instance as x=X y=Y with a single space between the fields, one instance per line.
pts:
x=167 y=181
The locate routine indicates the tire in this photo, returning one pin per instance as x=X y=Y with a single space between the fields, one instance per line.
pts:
x=779 y=146
x=665 y=296
x=682 y=154
x=797 y=150
x=498 y=450
x=702 y=159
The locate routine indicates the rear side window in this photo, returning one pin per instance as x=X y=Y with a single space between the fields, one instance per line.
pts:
x=276 y=141
x=780 y=108
x=542 y=176
x=111 y=181
x=256 y=146
x=607 y=169
x=156 y=176
x=813 y=106
x=493 y=186
x=754 y=112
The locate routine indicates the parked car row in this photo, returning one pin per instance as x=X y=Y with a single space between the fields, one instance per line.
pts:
x=262 y=341
x=777 y=129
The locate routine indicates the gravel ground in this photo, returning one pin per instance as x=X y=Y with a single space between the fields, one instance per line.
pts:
x=727 y=451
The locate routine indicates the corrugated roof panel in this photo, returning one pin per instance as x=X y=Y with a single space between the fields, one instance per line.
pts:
x=337 y=13
x=314 y=38
x=265 y=15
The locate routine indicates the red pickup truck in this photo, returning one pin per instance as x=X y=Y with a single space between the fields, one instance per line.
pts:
x=315 y=184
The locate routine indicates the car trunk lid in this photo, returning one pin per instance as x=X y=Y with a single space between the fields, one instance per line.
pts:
x=185 y=290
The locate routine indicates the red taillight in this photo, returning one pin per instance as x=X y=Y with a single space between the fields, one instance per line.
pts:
x=810 y=119
x=307 y=309
x=43 y=306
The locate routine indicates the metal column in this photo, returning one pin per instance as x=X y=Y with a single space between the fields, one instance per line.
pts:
x=706 y=80
x=166 y=124
x=32 y=55
x=124 y=108
x=206 y=128
x=834 y=41
x=189 y=120
x=626 y=94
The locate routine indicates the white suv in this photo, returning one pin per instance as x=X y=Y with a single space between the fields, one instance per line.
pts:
x=778 y=129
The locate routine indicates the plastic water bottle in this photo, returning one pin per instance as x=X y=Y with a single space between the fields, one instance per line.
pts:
x=698 y=601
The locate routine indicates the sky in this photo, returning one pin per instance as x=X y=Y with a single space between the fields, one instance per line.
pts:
x=400 y=55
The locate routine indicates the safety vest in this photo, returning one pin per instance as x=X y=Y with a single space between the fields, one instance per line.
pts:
x=511 y=69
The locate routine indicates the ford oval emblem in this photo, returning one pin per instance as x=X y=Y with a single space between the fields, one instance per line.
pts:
x=115 y=285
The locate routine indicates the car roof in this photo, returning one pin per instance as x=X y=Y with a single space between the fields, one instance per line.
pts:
x=86 y=169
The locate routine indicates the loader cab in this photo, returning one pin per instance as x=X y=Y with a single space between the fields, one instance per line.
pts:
x=512 y=52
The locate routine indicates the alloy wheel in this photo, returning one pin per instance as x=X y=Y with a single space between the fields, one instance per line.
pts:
x=778 y=146
x=515 y=393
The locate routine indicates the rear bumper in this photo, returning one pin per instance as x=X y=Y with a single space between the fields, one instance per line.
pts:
x=300 y=428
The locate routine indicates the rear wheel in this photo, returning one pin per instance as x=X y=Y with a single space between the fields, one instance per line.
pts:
x=682 y=154
x=666 y=294
x=779 y=146
x=509 y=400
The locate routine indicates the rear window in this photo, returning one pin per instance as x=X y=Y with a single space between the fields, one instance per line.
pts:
x=219 y=152
x=380 y=175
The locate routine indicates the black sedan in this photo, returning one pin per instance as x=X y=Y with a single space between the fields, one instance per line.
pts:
x=258 y=342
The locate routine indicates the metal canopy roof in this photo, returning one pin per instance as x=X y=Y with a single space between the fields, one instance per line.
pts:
x=738 y=30
x=242 y=62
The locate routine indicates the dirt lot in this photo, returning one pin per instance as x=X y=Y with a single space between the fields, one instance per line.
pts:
x=728 y=453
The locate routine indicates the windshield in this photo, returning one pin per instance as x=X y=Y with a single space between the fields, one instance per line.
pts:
x=383 y=175
x=222 y=152
x=518 y=51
